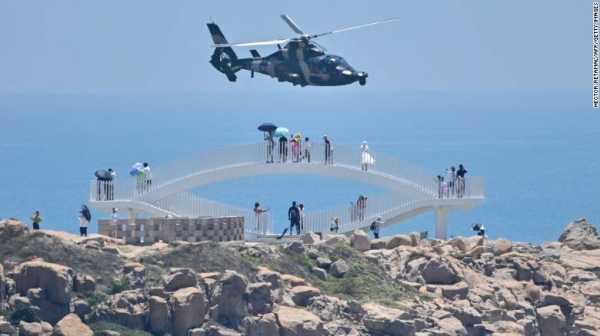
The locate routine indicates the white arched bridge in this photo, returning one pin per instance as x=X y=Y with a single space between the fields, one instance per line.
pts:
x=411 y=190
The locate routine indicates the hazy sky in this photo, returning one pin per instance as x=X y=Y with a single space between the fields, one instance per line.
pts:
x=148 y=46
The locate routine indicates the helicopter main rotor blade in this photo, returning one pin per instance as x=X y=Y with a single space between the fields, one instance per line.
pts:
x=355 y=27
x=250 y=44
x=292 y=25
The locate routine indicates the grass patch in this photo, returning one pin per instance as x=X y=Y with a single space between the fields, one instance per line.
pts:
x=93 y=298
x=119 y=286
x=23 y=314
x=99 y=327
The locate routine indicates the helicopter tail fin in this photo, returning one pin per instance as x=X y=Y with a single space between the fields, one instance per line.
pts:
x=224 y=58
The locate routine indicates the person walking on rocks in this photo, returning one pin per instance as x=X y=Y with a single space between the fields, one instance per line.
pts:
x=294 y=217
x=84 y=220
x=375 y=226
x=36 y=219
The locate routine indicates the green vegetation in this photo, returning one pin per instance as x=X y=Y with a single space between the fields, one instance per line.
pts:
x=99 y=327
x=93 y=298
x=118 y=287
x=23 y=314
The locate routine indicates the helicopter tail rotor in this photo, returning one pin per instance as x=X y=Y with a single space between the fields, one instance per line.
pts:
x=223 y=58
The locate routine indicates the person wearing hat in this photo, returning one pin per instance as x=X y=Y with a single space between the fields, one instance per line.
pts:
x=375 y=226
x=334 y=225
x=327 y=143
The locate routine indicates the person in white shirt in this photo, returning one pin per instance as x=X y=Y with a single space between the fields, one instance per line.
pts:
x=147 y=175
x=450 y=178
x=376 y=226
x=307 y=145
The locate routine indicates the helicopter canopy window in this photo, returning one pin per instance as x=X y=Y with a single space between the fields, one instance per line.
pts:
x=336 y=62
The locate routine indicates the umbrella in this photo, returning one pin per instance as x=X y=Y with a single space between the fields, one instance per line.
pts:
x=281 y=131
x=85 y=211
x=103 y=175
x=267 y=127
x=136 y=168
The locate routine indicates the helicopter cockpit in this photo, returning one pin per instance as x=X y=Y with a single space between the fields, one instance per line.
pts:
x=333 y=64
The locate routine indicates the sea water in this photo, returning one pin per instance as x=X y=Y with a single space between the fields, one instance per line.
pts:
x=537 y=151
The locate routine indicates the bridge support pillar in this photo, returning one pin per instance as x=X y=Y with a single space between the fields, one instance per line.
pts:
x=441 y=223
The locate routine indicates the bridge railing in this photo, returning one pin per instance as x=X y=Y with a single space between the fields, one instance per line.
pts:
x=339 y=155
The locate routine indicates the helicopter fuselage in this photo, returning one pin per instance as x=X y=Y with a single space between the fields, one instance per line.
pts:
x=303 y=64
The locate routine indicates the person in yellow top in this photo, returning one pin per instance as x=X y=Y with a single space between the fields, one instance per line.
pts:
x=37 y=219
x=334 y=225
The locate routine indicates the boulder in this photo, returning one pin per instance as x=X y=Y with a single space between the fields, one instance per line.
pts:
x=301 y=294
x=260 y=299
x=133 y=267
x=271 y=277
x=460 y=244
x=438 y=273
x=313 y=253
x=339 y=268
x=56 y=280
x=188 y=307
x=296 y=247
x=416 y=238
x=294 y=322
x=323 y=262
x=80 y=308
x=551 y=321
x=380 y=320
x=311 y=238
x=293 y=280
x=334 y=239
x=579 y=235
x=457 y=291
x=453 y=326
x=319 y=273
x=327 y=308
x=180 y=278
x=360 y=241
x=36 y=329
x=502 y=246
x=71 y=325
x=261 y=325
x=379 y=244
x=228 y=302
x=159 y=316
x=398 y=240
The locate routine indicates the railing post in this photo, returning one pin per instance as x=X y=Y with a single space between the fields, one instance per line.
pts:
x=441 y=223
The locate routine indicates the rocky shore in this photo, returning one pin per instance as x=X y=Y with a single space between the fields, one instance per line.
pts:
x=54 y=283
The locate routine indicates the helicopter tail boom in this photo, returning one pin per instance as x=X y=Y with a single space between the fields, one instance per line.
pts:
x=223 y=59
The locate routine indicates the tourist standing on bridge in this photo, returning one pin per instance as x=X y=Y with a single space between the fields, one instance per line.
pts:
x=270 y=146
x=307 y=145
x=334 y=225
x=283 y=150
x=147 y=175
x=258 y=213
x=297 y=147
x=361 y=204
x=450 y=178
x=460 y=180
x=301 y=208
x=365 y=156
x=327 y=143
x=294 y=217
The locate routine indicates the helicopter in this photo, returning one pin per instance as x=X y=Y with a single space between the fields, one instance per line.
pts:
x=301 y=61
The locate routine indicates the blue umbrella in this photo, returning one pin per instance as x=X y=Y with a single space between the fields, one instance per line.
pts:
x=267 y=127
x=281 y=131
x=136 y=169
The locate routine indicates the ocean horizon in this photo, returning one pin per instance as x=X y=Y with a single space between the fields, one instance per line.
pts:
x=536 y=150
